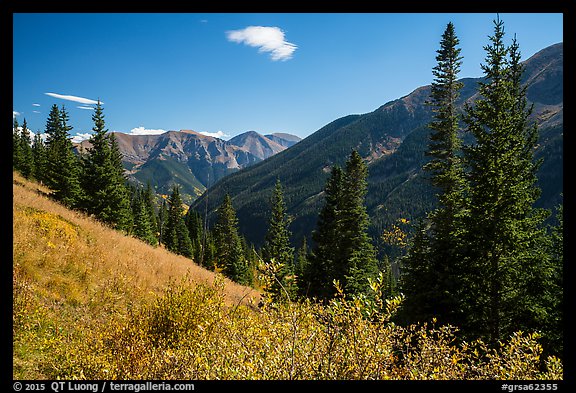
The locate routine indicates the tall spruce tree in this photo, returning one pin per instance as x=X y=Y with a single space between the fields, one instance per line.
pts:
x=16 y=156
x=148 y=197
x=39 y=158
x=301 y=267
x=195 y=225
x=229 y=252
x=319 y=275
x=506 y=238
x=176 y=237
x=432 y=278
x=26 y=159
x=277 y=246
x=344 y=250
x=554 y=328
x=162 y=219
x=54 y=138
x=357 y=262
x=104 y=184
x=62 y=166
x=143 y=227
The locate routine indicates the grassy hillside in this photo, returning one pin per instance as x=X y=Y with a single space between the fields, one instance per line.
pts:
x=72 y=274
x=90 y=303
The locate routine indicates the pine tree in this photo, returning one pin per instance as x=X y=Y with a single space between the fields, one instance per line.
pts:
x=357 y=262
x=194 y=224
x=104 y=184
x=148 y=198
x=38 y=158
x=54 y=137
x=344 y=251
x=176 y=236
x=16 y=151
x=277 y=246
x=143 y=228
x=26 y=159
x=326 y=253
x=62 y=173
x=229 y=253
x=506 y=239
x=432 y=277
x=162 y=219
x=301 y=267
x=553 y=338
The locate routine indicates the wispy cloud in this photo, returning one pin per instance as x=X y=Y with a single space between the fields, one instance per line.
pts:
x=35 y=104
x=14 y=114
x=144 y=131
x=217 y=134
x=36 y=112
x=81 y=100
x=86 y=107
x=266 y=39
x=79 y=137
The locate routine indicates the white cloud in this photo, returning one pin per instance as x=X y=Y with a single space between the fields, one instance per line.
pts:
x=143 y=131
x=43 y=136
x=73 y=98
x=217 y=134
x=14 y=114
x=35 y=104
x=35 y=111
x=85 y=107
x=79 y=137
x=266 y=39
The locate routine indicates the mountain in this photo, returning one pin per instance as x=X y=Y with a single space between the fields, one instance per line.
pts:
x=190 y=159
x=284 y=139
x=258 y=145
x=392 y=139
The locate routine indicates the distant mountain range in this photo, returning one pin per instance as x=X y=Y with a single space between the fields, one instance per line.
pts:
x=392 y=139
x=192 y=160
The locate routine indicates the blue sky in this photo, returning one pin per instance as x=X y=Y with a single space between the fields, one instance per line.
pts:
x=231 y=73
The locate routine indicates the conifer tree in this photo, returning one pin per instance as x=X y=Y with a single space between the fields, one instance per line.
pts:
x=433 y=267
x=176 y=236
x=38 y=158
x=357 y=262
x=229 y=253
x=148 y=197
x=26 y=159
x=162 y=219
x=301 y=267
x=277 y=246
x=326 y=253
x=143 y=228
x=553 y=337
x=54 y=137
x=104 y=184
x=194 y=224
x=506 y=239
x=62 y=171
x=16 y=156
x=344 y=251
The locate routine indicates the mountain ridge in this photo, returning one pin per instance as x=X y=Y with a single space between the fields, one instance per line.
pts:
x=392 y=139
x=191 y=159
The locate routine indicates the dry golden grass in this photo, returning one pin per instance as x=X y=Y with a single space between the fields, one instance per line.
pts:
x=93 y=248
x=71 y=274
